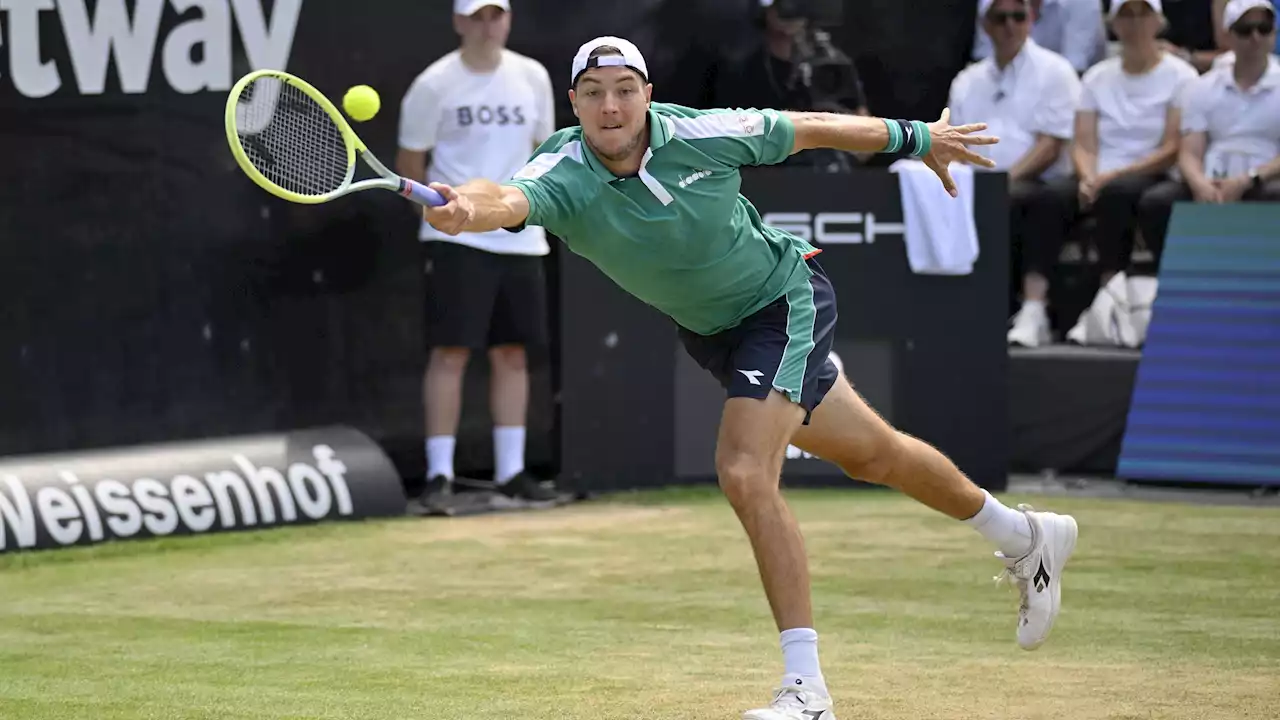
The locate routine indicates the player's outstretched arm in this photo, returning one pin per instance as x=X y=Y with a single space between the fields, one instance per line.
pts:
x=477 y=206
x=938 y=143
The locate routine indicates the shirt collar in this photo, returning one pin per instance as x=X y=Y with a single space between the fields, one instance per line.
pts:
x=1270 y=79
x=1019 y=60
x=661 y=131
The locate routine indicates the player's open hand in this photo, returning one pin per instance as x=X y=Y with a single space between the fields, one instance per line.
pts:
x=451 y=217
x=952 y=144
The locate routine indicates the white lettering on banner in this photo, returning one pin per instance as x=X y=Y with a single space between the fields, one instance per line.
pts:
x=87 y=507
x=93 y=42
x=821 y=228
x=125 y=507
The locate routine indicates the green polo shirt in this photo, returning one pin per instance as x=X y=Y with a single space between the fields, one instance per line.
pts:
x=679 y=235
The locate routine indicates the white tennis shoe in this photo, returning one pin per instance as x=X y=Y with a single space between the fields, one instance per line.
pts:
x=1038 y=574
x=795 y=702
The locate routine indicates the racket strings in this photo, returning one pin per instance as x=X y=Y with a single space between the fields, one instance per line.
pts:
x=290 y=138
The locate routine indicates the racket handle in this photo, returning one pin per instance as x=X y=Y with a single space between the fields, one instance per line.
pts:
x=420 y=193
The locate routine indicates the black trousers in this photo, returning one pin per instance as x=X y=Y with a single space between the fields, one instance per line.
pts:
x=1115 y=212
x=1040 y=217
x=1156 y=206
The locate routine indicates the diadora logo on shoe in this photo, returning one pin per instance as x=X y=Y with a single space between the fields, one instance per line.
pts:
x=695 y=177
x=1041 y=578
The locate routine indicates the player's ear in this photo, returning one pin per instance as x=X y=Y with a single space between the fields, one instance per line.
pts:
x=573 y=102
x=648 y=93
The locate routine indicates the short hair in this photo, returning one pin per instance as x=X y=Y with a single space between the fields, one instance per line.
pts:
x=604 y=50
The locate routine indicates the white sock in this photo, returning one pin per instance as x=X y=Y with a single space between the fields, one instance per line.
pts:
x=800 y=659
x=440 y=456
x=508 y=453
x=1006 y=528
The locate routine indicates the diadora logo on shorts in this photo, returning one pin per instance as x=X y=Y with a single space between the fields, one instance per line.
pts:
x=695 y=177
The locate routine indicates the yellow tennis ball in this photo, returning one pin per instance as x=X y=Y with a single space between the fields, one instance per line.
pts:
x=361 y=103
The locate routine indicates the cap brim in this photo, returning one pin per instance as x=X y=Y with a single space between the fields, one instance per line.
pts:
x=474 y=7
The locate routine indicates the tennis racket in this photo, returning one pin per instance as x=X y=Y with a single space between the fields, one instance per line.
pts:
x=295 y=144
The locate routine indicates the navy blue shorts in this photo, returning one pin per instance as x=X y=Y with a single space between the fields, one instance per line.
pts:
x=784 y=346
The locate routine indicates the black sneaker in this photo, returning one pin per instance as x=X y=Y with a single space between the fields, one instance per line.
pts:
x=434 y=496
x=527 y=487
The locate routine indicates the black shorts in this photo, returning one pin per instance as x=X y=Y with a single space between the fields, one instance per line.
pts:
x=477 y=299
x=786 y=345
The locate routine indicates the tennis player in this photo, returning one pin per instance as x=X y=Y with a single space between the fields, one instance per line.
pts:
x=648 y=192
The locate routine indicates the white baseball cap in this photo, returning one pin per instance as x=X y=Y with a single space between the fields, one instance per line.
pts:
x=631 y=57
x=985 y=5
x=1153 y=4
x=471 y=7
x=1237 y=8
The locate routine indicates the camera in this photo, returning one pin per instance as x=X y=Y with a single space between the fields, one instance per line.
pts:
x=821 y=70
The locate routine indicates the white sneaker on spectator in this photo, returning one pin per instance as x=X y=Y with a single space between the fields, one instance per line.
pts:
x=795 y=703
x=1030 y=325
x=1038 y=574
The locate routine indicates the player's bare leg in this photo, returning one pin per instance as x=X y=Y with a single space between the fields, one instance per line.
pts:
x=750 y=450
x=1034 y=545
x=442 y=394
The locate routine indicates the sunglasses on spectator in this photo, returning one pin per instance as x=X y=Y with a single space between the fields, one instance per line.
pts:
x=1244 y=30
x=1001 y=17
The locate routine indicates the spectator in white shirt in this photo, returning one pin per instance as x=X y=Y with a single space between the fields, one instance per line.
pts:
x=1127 y=128
x=1027 y=95
x=1072 y=28
x=479 y=111
x=1230 y=148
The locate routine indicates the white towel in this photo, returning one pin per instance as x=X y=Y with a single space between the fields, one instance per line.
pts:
x=941 y=235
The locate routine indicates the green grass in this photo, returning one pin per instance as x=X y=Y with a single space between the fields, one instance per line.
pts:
x=644 y=606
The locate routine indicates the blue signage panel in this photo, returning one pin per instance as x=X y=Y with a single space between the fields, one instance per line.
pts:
x=1206 y=404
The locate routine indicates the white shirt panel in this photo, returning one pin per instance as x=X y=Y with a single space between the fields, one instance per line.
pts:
x=1037 y=93
x=1243 y=126
x=1132 y=109
x=480 y=125
x=1074 y=29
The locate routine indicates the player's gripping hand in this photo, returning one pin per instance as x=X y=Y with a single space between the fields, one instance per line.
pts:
x=951 y=144
x=452 y=217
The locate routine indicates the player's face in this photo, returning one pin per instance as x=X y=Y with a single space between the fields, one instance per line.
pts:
x=487 y=27
x=611 y=104
x=1253 y=37
x=1008 y=23
x=1136 y=22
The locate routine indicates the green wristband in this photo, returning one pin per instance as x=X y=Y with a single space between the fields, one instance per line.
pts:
x=895 y=137
x=924 y=141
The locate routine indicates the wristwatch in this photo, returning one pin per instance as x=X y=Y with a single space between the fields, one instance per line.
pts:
x=1255 y=179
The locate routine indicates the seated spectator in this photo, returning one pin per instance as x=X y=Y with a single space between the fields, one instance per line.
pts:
x=1230 y=126
x=1127 y=129
x=1072 y=28
x=1027 y=95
